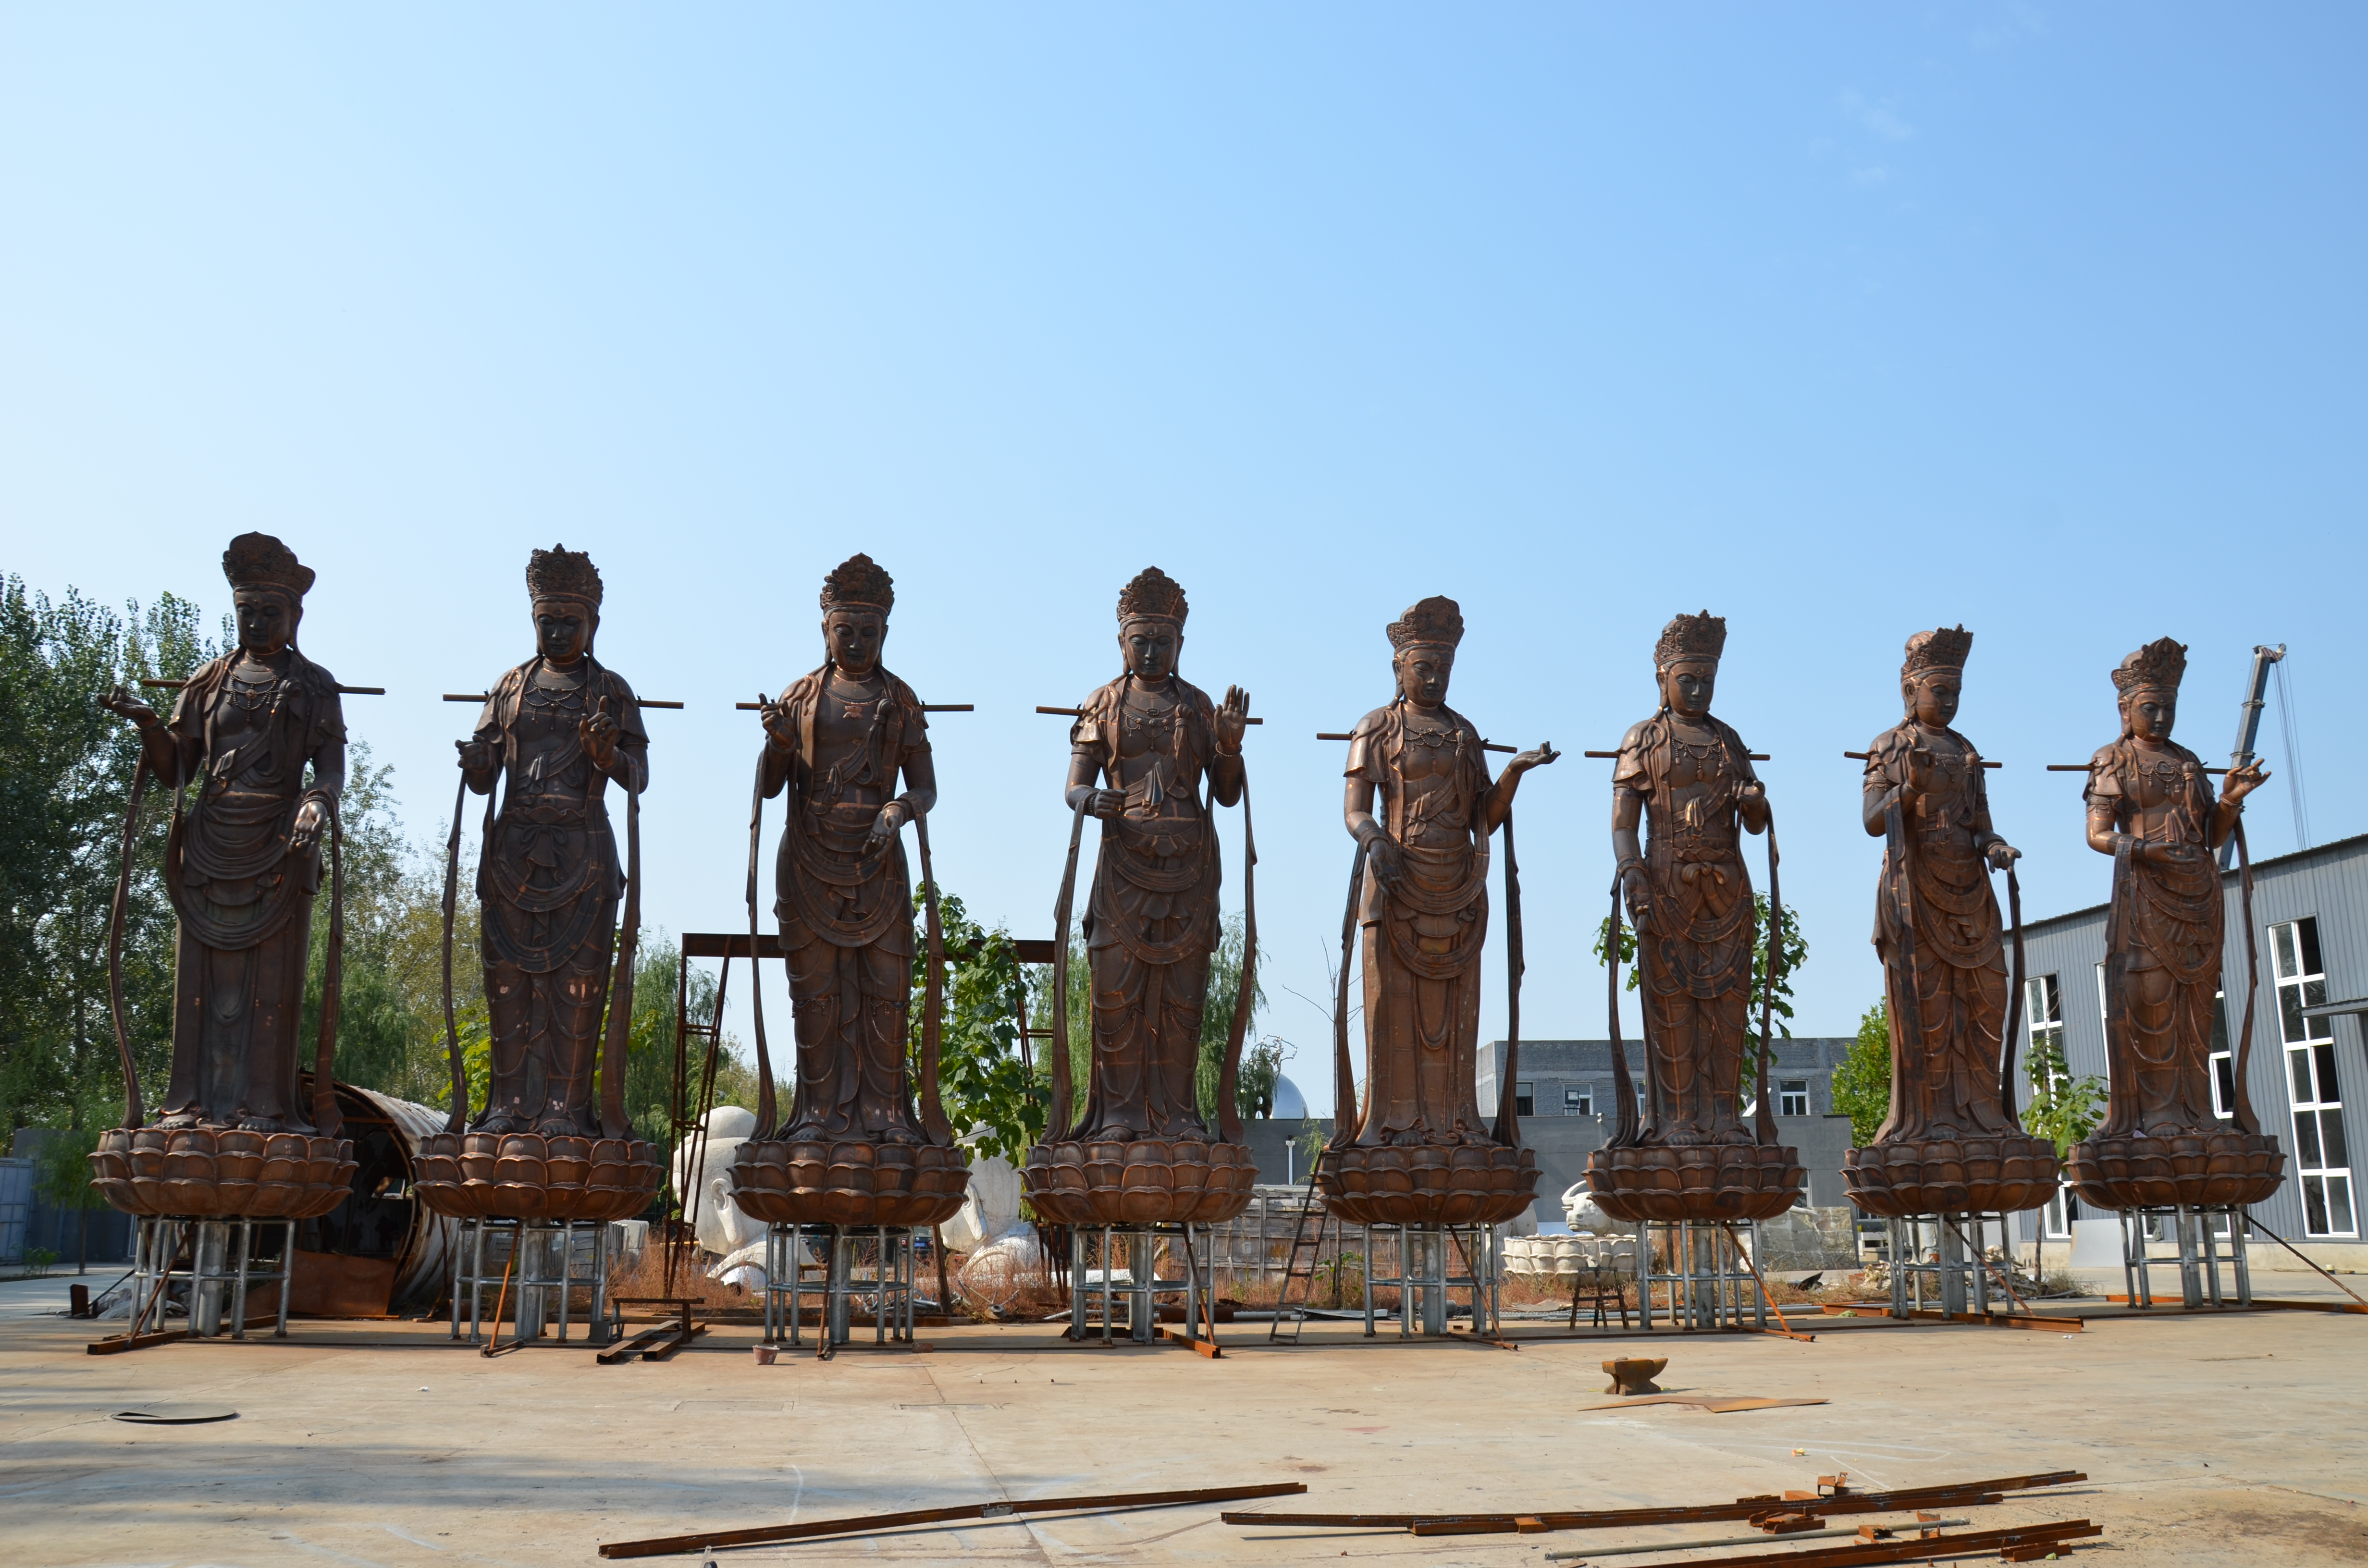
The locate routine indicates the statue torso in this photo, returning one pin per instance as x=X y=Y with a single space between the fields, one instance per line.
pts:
x=1689 y=772
x=2160 y=795
x=846 y=714
x=548 y=765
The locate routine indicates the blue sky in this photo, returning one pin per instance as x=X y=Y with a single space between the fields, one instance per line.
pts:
x=1840 y=321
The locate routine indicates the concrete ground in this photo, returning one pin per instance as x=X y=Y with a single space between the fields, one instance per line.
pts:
x=2235 y=1439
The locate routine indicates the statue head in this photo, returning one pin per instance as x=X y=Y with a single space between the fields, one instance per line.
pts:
x=267 y=585
x=565 y=589
x=1685 y=662
x=1423 y=644
x=856 y=600
x=2148 y=684
x=1932 y=675
x=1151 y=611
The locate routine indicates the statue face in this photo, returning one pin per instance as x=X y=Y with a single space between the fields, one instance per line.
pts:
x=1687 y=686
x=1423 y=673
x=266 y=619
x=1932 y=697
x=854 y=637
x=1150 y=648
x=562 y=629
x=2151 y=712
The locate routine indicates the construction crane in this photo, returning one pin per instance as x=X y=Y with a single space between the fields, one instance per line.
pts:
x=2248 y=724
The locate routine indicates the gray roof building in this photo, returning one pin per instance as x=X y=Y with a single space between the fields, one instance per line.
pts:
x=2306 y=1073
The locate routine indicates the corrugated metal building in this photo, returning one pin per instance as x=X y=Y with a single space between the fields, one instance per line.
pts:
x=1564 y=1094
x=2306 y=1073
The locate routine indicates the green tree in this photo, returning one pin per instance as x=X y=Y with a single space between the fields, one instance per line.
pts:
x=1861 y=1086
x=983 y=1080
x=2064 y=1109
x=66 y=767
x=63 y=1178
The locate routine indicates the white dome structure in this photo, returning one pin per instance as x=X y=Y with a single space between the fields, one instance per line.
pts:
x=1288 y=1101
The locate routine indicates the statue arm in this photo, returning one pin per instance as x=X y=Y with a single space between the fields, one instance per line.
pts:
x=1356 y=811
x=1085 y=767
x=920 y=796
x=1627 y=818
x=1226 y=776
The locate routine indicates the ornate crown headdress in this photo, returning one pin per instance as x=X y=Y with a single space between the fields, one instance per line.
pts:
x=2159 y=665
x=1153 y=596
x=1941 y=648
x=1700 y=636
x=560 y=572
x=259 y=561
x=1436 y=623
x=858 y=583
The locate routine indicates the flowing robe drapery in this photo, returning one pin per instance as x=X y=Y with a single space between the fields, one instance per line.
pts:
x=1946 y=1084
x=1151 y=917
x=1421 y=944
x=549 y=879
x=243 y=732
x=845 y=904
x=1695 y=950
x=2163 y=937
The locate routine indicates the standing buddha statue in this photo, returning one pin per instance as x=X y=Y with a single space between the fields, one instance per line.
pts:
x=1949 y=1146
x=1419 y=1151
x=1140 y=1152
x=2150 y=807
x=856 y=1148
x=235 y=1137
x=554 y=733
x=1690 y=1156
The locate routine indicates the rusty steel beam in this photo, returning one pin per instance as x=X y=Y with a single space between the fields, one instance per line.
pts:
x=866 y=1524
x=1950 y=1495
x=1913 y=1549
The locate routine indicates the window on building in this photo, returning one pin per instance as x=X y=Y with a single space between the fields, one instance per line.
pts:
x=2061 y=1210
x=1792 y=1096
x=1579 y=1100
x=1525 y=1100
x=2224 y=1061
x=2103 y=1011
x=2322 y=1163
x=2043 y=998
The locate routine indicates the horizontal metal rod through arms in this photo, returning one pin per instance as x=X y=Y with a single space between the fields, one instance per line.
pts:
x=1079 y=713
x=866 y=1524
x=487 y=697
x=2091 y=768
x=926 y=706
x=1484 y=745
x=1860 y=756
x=1754 y=756
x=347 y=691
x=1709 y=1512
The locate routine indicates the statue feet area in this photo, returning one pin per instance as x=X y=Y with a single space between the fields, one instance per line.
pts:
x=2190 y=1170
x=221 y=1173
x=526 y=1176
x=1730 y=1182
x=826 y=1182
x=1144 y=1181
x=1951 y=1176
x=1428 y=1184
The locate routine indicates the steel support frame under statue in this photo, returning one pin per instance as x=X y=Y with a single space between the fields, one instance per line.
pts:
x=1711 y=1286
x=888 y=1291
x=1139 y=1245
x=2200 y=1258
x=1423 y=1278
x=540 y=1264
x=1959 y=1272
x=221 y=1262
